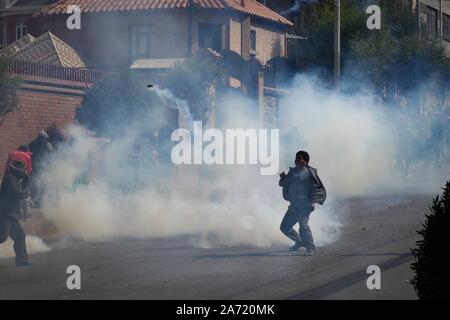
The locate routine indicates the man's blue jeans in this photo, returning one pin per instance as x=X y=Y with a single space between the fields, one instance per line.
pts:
x=298 y=215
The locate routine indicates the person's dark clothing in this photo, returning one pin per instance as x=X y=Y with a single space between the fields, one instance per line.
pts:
x=297 y=187
x=56 y=138
x=12 y=228
x=11 y=197
x=39 y=147
x=315 y=189
x=11 y=200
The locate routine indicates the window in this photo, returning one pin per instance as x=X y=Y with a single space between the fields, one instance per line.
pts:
x=4 y=4
x=139 y=42
x=2 y=35
x=210 y=36
x=432 y=23
x=446 y=27
x=253 y=40
x=7 y=3
x=21 y=30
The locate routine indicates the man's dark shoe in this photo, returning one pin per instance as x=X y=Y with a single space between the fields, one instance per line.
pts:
x=296 y=246
x=23 y=263
x=310 y=252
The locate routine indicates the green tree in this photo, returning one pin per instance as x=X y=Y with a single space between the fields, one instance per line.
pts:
x=193 y=81
x=431 y=280
x=393 y=57
x=8 y=92
x=318 y=50
x=118 y=102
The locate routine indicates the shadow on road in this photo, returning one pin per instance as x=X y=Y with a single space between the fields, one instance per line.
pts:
x=282 y=253
x=348 y=280
x=375 y=254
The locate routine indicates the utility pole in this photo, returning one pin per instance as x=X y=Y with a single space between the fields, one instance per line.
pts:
x=190 y=30
x=419 y=20
x=337 y=44
x=441 y=33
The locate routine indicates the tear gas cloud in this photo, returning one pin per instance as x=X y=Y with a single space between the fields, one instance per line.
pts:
x=297 y=6
x=34 y=245
x=349 y=141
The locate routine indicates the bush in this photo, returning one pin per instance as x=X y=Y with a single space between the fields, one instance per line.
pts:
x=119 y=102
x=192 y=81
x=432 y=254
x=8 y=87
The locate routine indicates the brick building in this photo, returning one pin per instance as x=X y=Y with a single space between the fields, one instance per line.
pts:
x=53 y=61
x=53 y=79
x=47 y=94
x=15 y=16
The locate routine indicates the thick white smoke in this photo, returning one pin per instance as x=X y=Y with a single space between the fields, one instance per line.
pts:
x=34 y=245
x=348 y=142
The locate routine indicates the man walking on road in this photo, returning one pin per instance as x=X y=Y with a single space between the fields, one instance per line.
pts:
x=302 y=188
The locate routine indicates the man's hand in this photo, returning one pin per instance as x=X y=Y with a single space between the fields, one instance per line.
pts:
x=282 y=176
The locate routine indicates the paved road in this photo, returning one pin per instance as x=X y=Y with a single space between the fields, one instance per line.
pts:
x=379 y=230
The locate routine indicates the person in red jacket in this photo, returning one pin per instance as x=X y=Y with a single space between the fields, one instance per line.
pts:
x=12 y=194
x=22 y=154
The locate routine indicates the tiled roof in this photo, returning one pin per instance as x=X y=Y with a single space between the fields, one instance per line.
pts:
x=255 y=8
x=25 y=7
x=48 y=49
x=155 y=63
x=54 y=81
x=435 y=4
x=250 y=7
x=19 y=3
x=17 y=45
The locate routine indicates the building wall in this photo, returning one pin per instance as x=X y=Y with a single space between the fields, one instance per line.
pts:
x=8 y=28
x=104 y=38
x=207 y=16
x=235 y=35
x=270 y=42
x=430 y=18
x=38 y=109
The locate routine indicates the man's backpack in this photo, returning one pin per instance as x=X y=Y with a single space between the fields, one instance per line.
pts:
x=318 y=192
